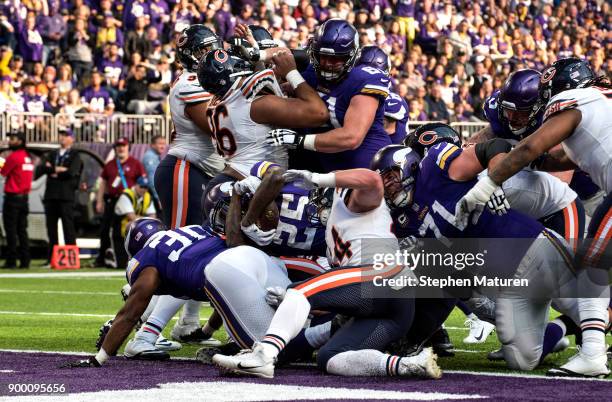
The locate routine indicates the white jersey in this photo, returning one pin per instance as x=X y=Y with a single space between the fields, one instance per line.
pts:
x=590 y=145
x=191 y=143
x=239 y=139
x=537 y=194
x=354 y=238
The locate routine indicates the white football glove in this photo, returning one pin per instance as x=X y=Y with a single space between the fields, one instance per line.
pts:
x=248 y=185
x=410 y=243
x=474 y=202
x=260 y=237
x=275 y=295
x=284 y=137
x=498 y=204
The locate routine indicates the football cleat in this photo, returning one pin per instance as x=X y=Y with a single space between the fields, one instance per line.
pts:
x=204 y=355
x=193 y=334
x=167 y=345
x=563 y=344
x=103 y=332
x=248 y=362
x=139 y=349
x=423 y=365
x=479 y=331
x=441 y=343
x=496 y=355
x=581 y=365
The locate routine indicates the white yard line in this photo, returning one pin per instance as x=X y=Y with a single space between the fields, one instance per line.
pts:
x=61 y=292
x=64 y=275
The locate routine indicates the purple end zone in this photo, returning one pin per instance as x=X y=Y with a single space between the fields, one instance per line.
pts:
x=123 y=374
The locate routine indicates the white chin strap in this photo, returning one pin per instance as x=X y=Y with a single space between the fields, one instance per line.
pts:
x=324 y=216
x=401 y=199
x=328 y=75
x=518 y=131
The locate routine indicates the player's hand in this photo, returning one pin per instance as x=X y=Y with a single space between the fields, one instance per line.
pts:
x=248 y=185
x=245 y=50
x=409 y=243
x=498 y=204
x=306 y=178
x=89 y=362
x=282 y=137
x=473 y=202
x=103 y=332
x=243 y=31
x=260 y=237
x=275 y=295
x=283 y=62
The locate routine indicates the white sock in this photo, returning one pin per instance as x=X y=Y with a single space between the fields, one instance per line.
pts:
x=473 y=317
x=593 y=322
x=191 y=312
x=145 y=316
x=288 y=321
x=365 y=362
x=318 y=335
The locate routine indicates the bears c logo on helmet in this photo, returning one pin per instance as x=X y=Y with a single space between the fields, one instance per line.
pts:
x=428 y=137
x=221 y=56
x=548 y=75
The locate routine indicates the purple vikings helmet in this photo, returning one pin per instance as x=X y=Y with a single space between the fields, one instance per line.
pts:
x=216 y=206
x=518 y=102
x=334 y=49
x=430 y=134
x=391 y=160
x=375 y=57
x=564 y=74
x=138 y=233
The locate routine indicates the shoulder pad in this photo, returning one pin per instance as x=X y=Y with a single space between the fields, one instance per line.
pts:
x=188 y=89
x=260 y=168
x=571 y=99
x=254 y=84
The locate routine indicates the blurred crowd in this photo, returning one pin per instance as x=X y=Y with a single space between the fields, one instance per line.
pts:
x=447 y=56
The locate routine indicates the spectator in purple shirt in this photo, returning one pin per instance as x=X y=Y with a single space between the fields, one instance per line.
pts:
x=52 y=29
x=30 y=42
x=97 y=99
x=32 y=102
x=160 y=14
x=133 y=11
x=184 y=13
x=404 y=10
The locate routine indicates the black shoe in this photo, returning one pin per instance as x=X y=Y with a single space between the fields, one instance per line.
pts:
x=25 y=264
x=442 y=344
x=204 y=355
x=9 y=264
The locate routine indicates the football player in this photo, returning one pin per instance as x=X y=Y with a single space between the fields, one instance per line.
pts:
x=396 y=108
x=515 y=112
x=247 y=105
x=433 y=189
x=186 y=263
x=358 y=226
x=354 y=95
x=578 y=115
x=180 y=179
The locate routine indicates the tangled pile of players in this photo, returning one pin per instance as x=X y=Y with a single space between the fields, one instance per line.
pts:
x=285 y=255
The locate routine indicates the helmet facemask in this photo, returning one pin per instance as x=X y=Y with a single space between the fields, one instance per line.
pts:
x=398 y=191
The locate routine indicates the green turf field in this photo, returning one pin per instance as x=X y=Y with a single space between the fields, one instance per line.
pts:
x=65 y=314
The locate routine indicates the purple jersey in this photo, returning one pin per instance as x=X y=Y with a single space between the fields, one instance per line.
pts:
x=439 y=193
x=405 y=8
x=361 y=80
x=97 y=100
x=33 y=104
x=396 y=109
x=407 y=221
x=501 y=129
x=112 y=70
x=295 y=233
x=179 y=256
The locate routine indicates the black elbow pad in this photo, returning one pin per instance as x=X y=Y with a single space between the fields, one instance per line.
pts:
x=485 y=151
x=302 y=60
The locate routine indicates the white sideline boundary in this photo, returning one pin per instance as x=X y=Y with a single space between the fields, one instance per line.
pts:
x=467 y=372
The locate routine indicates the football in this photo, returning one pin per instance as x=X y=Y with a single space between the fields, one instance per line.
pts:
x=269 y=220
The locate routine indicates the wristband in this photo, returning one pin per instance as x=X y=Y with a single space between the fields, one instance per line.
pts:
x=263 y=55
x=309 y=142
x=101 y=357
x=294 y=78
x=324 y=180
